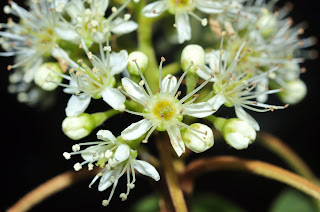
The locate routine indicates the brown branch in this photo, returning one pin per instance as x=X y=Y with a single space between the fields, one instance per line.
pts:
x=50 y=188
x=264 y=169
x=277 y=146
x=171 y=176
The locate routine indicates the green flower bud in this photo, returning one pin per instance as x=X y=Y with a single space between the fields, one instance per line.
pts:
x=81 y=126
x=142 y=61
x=47 y=76
x=237 y=133
x=192 y=55
x=294 y=92
x=200 y=140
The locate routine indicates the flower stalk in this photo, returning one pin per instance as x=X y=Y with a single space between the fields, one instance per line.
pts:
x=171 y=175
x=200 y=166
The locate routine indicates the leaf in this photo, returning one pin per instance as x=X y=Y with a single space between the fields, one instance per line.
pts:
x=147 y=204
x=212 y=202
x=293 y=201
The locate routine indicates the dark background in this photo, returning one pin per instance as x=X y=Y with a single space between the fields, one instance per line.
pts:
x=32 y=144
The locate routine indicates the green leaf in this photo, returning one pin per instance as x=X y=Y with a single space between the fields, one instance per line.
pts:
x=212 y=202
x=293 y=201
x=147 y=204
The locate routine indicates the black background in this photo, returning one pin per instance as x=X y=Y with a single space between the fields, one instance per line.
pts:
x=32 y=144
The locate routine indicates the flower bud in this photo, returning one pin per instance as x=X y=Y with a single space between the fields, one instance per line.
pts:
x=198 y=140
x=237 y=133
x=142 y=61
x=267 y=23
x=192 y=55
x=78 y=127
x=294 y=92
x=47 y=76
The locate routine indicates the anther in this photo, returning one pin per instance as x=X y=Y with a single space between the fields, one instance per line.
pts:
x=163 y=59
x=66 y=155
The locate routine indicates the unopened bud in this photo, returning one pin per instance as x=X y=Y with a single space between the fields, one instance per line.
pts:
x=141 y=59
x=198 y=140
x=78 y=127
x=192 y=55
x=294 y=92
x=47 y=76
x=236 y=132
x=267 y=23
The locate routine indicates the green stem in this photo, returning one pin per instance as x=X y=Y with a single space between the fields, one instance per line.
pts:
x=200 y=166
x=100 y=117
x=144 y=33
x=171 y=176
x=172 y=68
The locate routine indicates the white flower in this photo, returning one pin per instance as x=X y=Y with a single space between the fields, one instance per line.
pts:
x=163 y=111
x=90 y=22
x=116 y=158
x=96 y=81
x=181 y=10
x=238 y=90
x=33 y=38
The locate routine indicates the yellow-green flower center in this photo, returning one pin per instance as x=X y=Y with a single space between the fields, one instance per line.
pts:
x=180 y=5
x=164 y=109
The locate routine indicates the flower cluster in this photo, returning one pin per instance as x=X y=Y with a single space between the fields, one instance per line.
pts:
x=247 y=50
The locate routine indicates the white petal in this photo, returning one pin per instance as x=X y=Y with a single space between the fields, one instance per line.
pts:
x=237 y=141
x=65 y=32
x=154 y=9
x=136 y=130
x=74 y=9
x=165 y=83
x=146 y=169
x=243 y=115
x=211 y=7
x=105 y=181
x=217 y=101
x=73 y=87
x=100 y=6
x=183 y=26
x=134 y=89
x=77 y=104
x=176 y=140
x=106 y=135
x=88 y=155
x=113 y=97
x=205 y=72
x=29 y=74
x=122 y=153
x=118 y=61
x=120 y=26
x=198 y=110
